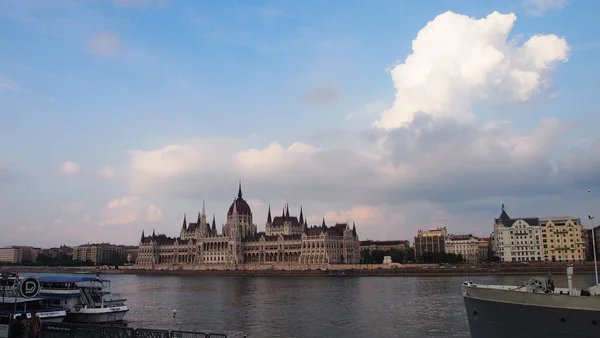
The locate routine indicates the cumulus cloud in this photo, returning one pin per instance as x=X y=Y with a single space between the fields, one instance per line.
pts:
x=322 y=95
x=538 y=7
x=154 y=214
x=425 y=152
x=105 y=44
x=457 y=61
x=128 y=210
x=69 y=168
x=107 y=172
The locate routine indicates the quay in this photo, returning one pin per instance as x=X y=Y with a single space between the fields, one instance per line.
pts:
x=67 y=330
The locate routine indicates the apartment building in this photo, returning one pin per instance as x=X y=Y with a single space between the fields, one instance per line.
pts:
x=102 y=253
x=430 y=241
x=18 y=254
x=474 y=250
x=400 y=245
x=563 y=239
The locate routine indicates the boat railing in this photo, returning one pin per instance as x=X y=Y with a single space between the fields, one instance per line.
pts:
x=68 y=330
x=500 y=287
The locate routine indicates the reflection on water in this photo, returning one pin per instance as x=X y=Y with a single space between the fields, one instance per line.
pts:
x=306 y=306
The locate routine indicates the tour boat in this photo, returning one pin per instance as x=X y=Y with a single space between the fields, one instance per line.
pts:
x=12 y=304
x=85 y=299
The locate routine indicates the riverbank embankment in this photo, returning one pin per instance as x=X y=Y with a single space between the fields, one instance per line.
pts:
x=354 y=271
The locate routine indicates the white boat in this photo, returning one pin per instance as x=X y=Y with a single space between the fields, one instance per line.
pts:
x=13 y=305
x=86 y=299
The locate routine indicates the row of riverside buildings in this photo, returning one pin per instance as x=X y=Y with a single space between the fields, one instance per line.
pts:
x=528 y=239
x=96 y=253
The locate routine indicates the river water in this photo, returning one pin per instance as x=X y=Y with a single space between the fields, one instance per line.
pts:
x=306 y=306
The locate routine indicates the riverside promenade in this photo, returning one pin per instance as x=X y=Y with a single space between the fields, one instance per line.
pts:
x=339 y=270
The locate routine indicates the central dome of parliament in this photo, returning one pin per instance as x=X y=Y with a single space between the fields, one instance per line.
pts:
x=241 y=205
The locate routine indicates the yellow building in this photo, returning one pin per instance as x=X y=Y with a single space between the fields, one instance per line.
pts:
x=562 y=239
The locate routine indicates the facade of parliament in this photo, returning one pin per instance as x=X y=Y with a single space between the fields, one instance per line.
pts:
x=287 y=239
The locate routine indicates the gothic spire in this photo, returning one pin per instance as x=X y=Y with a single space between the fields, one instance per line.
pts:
x=153 y=233
x=283 y=212
x=235 y=207
x=240 y=189
x=287 y=211
x=142 y=235
x=203 y=208
x=354 y=229
x=184 y=227
x=269 y=220
x=323 y=225
x=214 y=225
x=301 y=220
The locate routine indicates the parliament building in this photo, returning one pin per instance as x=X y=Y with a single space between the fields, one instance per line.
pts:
x=287 y=239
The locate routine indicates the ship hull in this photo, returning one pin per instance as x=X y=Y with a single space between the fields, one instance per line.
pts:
x=499 y=319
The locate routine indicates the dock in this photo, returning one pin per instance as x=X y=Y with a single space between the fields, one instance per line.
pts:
x=68 y=330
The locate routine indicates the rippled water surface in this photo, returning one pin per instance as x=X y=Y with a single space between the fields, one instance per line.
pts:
x=305 y=306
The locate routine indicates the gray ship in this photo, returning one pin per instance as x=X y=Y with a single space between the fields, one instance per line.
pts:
x=536 y=309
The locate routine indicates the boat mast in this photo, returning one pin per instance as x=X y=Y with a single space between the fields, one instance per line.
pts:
x=591 y=218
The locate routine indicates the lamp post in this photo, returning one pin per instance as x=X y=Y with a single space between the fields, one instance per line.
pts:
x=591 y=218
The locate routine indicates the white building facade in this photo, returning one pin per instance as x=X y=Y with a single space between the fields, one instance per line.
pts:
x=474 y=250
x=287 y=239
x=517 y=240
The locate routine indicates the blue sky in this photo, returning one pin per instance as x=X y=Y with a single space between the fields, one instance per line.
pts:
x=91 y=81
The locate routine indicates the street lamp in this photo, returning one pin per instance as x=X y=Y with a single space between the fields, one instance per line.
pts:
x=591 y=218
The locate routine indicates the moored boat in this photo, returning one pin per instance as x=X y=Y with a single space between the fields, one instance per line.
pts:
x=12 y=305
x=86 y=299
x=536 y=309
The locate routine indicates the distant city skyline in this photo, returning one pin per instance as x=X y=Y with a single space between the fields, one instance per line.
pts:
x=119 y=116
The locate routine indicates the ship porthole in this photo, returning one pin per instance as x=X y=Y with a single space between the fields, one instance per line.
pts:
x=562 y=320
x=475 y=313
x=594 y=322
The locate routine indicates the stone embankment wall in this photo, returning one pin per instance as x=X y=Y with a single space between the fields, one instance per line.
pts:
x=325 y=270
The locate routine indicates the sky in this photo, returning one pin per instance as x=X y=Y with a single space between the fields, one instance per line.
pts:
x=118 y=116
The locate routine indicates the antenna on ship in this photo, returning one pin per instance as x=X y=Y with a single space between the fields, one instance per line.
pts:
x=591 y=218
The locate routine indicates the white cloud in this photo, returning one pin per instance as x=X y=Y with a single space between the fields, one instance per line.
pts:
x=73 y=208
x=428 y=156
x=457 y=61
x=105 y=44
x=69 y=168
x=154 y=214
x=8 y=84
x=538 y=7
x=128 y=210
x=107 y=172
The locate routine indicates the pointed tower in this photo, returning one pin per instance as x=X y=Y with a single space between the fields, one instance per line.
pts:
x=142 y=240
x=203 y=225
x=323 y=225
x=240 y=189
x=153 y=233
x=283 y=212
x=354 y=229
x=287 y=211
x=184 y=227
x=214 y=226
x=269 y=219
x=301 y=220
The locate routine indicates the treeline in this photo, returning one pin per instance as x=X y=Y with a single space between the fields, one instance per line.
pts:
x=398 y=256
x=376 y=256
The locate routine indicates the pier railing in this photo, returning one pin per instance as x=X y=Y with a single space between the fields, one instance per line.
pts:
x=67 y=330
